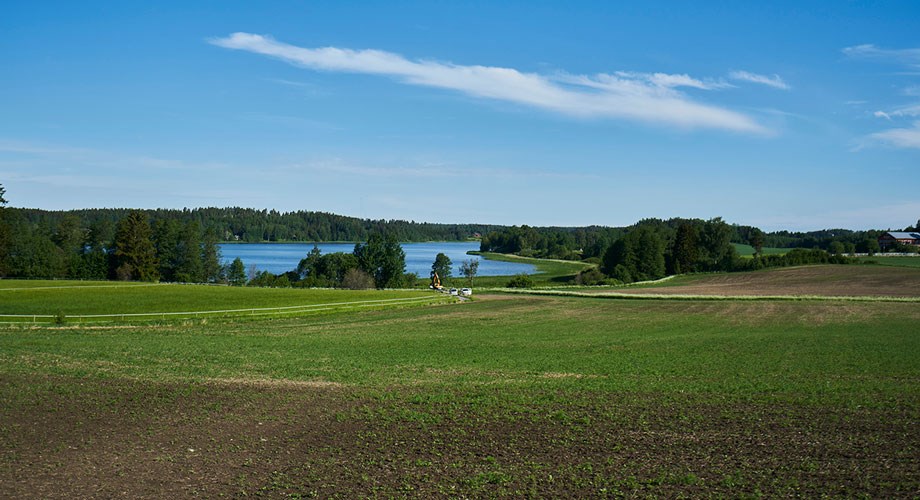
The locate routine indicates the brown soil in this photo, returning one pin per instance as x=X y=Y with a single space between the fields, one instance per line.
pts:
x=97 y=438
x=850 y=280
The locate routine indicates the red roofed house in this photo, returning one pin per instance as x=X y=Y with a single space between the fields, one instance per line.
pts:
x=904 y=237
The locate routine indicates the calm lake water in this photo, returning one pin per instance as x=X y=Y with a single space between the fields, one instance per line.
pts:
x=282 y=257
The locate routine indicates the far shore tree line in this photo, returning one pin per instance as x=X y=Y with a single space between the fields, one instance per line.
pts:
x=182 y=246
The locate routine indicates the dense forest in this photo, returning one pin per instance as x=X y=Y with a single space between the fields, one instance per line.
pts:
x=587 y=242
x=182 y=245
x=253 y=226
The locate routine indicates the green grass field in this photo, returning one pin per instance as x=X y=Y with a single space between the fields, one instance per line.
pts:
x=748 y=251
x=764 y=351
x=549 y=271
x=881 y=260
x=502 y=396
x=72 y=298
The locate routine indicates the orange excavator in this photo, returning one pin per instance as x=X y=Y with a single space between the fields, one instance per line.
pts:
x=436 y=282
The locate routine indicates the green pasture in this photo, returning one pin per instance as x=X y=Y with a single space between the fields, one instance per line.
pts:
x=73 y=298
x=882 y=260
x=549 y=271
x=748 y=251
x=829 y=352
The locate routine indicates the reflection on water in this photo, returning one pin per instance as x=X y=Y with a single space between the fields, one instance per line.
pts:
x=282 y=257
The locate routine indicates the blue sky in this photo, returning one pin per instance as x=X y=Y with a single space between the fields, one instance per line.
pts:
x=783 y=115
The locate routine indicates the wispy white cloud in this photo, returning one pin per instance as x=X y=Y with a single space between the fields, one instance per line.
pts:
x=907 y=138
x=651 y=98
x=774 y=81
x=912 y=91
x=909 y=57
x=666 y=80
x=904 y=111
x=912 y=110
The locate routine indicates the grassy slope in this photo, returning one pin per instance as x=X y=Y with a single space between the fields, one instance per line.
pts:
x=75 y=297
x=549 y=271
x=761 y=350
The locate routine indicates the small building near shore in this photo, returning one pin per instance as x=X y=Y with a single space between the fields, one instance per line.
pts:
x=904 y=237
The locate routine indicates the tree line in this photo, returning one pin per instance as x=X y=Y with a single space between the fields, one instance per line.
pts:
x=129 y=249
x=593 y=241
x=181 y=245
x=254 y=226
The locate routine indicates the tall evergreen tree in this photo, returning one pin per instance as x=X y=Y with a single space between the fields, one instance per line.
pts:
x=134 y=252
x=684 y=252
x=308 y=265
x=5 y=236
x=210 y=257
x=166 y=235
x=236 y=274
x=189 y=268
x=649 y=250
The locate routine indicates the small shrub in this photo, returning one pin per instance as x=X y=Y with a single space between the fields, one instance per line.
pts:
x=356 y=279
x=520 y=281
x=592 y=276
x=60 y=318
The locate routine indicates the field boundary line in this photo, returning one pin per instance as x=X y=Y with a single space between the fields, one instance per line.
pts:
x=661 y=296
x=259 y=311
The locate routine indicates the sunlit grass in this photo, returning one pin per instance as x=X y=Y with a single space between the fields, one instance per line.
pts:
x=845 y=352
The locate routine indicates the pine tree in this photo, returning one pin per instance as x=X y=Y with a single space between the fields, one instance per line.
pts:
x=189 y=268
x=210 y=258
x=685 y=252
x=236 y=274
x=134 y=251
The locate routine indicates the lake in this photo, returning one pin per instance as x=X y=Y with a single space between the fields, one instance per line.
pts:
x=278 y=258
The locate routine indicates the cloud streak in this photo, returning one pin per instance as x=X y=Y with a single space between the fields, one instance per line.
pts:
x=774 y=81
x=909 y=57
x=908 y=138
x=650 y=98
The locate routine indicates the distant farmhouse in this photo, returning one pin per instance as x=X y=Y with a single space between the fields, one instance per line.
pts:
x=903 y=237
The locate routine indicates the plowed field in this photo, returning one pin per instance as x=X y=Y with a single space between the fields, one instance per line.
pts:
x=842 y=281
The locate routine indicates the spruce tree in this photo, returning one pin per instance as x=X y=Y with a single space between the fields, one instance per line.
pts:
x=134 y=251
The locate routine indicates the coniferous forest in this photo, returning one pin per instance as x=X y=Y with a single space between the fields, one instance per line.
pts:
x=182 y=245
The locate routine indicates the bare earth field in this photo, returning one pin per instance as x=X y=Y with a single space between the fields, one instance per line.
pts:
x=840 y=281
x=119 y=438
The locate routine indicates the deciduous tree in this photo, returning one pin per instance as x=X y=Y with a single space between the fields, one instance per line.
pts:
x=383 y=258
x=443 y=266
x=469 y=269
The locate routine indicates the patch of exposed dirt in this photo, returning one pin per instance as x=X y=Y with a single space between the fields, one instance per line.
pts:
x=829 y=280
x=83 y=438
